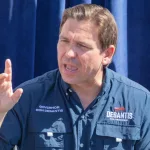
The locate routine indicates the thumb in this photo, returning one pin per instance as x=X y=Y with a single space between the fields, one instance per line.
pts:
x=16 y=95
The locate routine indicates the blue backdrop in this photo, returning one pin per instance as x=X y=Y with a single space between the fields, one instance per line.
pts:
x=29 y=33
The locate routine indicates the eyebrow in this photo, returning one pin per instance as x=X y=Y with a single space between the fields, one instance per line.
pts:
x=80 y=42
x=84 y=43
x=63 y=37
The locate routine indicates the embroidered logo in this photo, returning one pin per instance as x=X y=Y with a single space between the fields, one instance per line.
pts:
x=119 y=114
x=49 y=109
x=53 y=136
x=119 y=109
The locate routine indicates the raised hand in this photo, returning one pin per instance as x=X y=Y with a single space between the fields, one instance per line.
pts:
x=7 y=98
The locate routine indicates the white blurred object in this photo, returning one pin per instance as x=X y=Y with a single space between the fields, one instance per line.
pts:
x=15 y=148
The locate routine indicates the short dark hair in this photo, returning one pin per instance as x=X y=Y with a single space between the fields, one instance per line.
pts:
x=104 y=20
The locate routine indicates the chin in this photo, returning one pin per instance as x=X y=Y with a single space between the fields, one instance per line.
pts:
x=70 y=80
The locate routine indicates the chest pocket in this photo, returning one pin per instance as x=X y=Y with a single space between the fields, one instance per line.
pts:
x=52 y=139
x=114 y=137
x=49 y=134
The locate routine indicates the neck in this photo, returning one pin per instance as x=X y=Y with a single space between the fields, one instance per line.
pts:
x=88 y=91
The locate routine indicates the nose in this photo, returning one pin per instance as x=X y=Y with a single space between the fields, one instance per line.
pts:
x=71 y=53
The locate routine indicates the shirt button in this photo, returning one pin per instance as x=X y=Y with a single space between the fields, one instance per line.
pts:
x=81 y=145
x=83 y=117
x=70 y=90
x=67 y=94
x=92 y=143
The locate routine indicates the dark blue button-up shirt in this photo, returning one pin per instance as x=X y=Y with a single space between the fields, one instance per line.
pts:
x=50 y=116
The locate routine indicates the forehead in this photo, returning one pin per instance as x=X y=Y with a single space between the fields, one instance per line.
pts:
x=80 y=29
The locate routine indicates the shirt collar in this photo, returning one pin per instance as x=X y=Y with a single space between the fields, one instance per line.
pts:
x=65 y=85
x=105 y=85
x=106 y=81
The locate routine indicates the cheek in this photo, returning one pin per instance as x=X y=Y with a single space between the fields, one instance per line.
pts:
x=91 y=61
x=85 y=61
x=60 y=52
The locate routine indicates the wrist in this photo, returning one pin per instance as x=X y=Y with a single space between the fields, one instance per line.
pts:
x=2 y=116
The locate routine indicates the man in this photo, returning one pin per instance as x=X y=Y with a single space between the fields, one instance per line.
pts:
x=83 y=105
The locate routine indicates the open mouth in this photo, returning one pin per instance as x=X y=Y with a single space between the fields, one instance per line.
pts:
x=70 y=68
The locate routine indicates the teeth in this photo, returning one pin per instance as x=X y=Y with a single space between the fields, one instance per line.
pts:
x=71 y=68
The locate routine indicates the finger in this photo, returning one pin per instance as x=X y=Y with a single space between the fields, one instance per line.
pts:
x=3 y=76
x=5 y=86
x=8 y=69
x=17 y=94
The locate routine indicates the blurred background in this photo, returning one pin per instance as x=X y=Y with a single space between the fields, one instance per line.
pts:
x=29 y=32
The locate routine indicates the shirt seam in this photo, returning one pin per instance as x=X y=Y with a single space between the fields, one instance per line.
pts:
x=146 y=92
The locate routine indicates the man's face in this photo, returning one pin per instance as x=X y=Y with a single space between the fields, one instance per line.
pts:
x=79 y=52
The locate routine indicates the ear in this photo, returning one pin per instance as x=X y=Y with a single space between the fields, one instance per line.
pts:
x=108 y=55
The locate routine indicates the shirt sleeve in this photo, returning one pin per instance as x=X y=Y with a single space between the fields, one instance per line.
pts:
x=13 y=128
x=10 y=132
x=144 y=142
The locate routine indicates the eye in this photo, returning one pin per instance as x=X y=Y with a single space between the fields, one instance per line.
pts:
x=64 y=40
x=83 y=46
